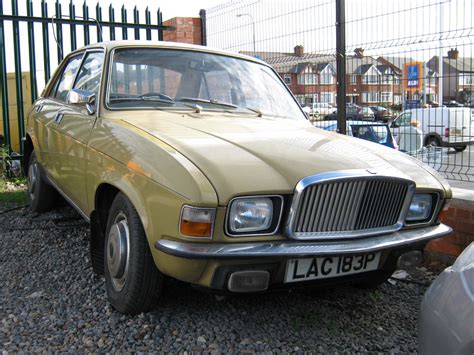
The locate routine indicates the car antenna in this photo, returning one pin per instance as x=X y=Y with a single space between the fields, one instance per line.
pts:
x=69 y=17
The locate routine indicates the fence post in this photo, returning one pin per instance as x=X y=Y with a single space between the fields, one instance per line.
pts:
x=18 y=75
x=202 y=15
x=4 y=85
x=341 y=65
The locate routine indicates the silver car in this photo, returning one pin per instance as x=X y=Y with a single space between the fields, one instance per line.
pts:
x=446 y=322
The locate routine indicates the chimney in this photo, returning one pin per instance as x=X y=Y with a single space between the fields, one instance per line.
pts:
x=299 y=51
x=453 y=53
x=359 y=52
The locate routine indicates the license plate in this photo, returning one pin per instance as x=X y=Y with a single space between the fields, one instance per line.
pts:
x=330 y=266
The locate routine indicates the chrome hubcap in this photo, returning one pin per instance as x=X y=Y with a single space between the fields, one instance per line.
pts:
x=118 y=251
x=32 y=180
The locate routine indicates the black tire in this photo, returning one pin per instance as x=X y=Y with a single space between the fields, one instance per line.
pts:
x=41 y=196
x=133 y=282
x=433 y=141
x=460 y=148
x=375 y=280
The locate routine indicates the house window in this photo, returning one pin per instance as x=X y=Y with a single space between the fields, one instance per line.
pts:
x=287 y=79
x=466 y=78
x=396 y=80
x=386 y=97
x=307 y=79
x=386 y=79
x=397 y=99
x=326 y=77
x=354 y=79
x=370 y=97
x=326 y=97
x=371 y=79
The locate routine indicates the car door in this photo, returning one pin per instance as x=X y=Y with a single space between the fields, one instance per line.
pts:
x=47 y=108
x=72 y=130
x=401 y=121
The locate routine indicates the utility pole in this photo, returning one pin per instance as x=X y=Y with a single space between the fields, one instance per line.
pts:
x=341 y=65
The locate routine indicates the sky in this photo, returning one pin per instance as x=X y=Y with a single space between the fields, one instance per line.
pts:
x=184 y=8
x=409 y=28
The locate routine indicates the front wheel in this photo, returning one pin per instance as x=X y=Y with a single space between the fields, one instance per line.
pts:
x=460 y=148
x=132 y=280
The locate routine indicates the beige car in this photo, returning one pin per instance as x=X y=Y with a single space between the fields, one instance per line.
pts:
x=200 y=165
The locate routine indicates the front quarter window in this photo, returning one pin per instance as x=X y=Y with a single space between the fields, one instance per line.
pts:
x=142 y=78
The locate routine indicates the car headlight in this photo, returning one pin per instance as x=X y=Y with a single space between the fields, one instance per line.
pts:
x=420 y=207
x=259 y=215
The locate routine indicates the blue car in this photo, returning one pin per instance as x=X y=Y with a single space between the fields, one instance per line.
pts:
x=369 y=131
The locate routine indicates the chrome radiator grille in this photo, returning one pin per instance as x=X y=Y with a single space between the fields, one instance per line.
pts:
x=346 y=208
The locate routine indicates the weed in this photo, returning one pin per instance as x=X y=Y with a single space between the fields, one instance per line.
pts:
x=376 y=295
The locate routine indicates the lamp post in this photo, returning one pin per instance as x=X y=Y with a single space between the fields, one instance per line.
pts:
x=253 y=28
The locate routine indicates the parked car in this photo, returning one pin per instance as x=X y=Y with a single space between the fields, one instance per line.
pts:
x=367 y=113
x=199 y=165
x=370 y=131
x=382 y=114
x=441 y=126
x=353 y=112
x=453 y=103
x=321 y=108
x=446 y=321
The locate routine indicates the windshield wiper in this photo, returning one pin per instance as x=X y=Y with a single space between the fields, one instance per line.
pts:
x=144 y=98
x=256 y=110
x=158 y=98
x=211 y=101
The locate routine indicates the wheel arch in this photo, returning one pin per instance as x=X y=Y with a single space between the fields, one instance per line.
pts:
x=104 y=196
x=432 y=135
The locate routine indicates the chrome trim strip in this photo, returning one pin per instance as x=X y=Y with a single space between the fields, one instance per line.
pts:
x=300 y=249
x=253 y=234
x=345 y=175
x=67 y=198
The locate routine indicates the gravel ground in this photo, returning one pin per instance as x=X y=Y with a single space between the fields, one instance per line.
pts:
x=51 y=300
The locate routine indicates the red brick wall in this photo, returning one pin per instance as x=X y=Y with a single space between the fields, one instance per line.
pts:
x=460 y=217
x=187 y=30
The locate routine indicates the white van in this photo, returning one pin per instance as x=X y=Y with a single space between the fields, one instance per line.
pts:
x=441 y=126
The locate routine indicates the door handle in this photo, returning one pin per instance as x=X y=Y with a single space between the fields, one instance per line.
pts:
x=58 y=117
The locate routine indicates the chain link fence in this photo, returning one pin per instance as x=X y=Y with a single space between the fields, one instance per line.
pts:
x=397 y=91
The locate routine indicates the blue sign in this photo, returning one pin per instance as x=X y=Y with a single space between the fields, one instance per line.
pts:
x=411 y=104
x=413 y=76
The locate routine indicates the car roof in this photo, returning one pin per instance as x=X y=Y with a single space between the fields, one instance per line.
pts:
x=110 y=45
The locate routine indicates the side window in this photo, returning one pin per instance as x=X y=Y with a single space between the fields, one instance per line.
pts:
x=90 y=73
x=67 y=78
x=404 y=119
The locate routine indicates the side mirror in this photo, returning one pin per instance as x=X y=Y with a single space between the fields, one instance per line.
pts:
x=82 y=98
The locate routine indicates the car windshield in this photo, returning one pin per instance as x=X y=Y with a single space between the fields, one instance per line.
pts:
x=372 y=133
x=183 y=79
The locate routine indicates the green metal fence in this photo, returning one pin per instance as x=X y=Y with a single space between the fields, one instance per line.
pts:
x=56 y=23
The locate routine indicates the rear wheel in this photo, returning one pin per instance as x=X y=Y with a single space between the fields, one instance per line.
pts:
x=433 y=141
x=460 y=148
x=41 y=195
x=132 y=280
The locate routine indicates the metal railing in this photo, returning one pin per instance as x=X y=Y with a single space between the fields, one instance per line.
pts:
x=52 y=35
x=377 y=60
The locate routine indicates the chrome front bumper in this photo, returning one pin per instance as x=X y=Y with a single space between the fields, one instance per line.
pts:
x=300 y=249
